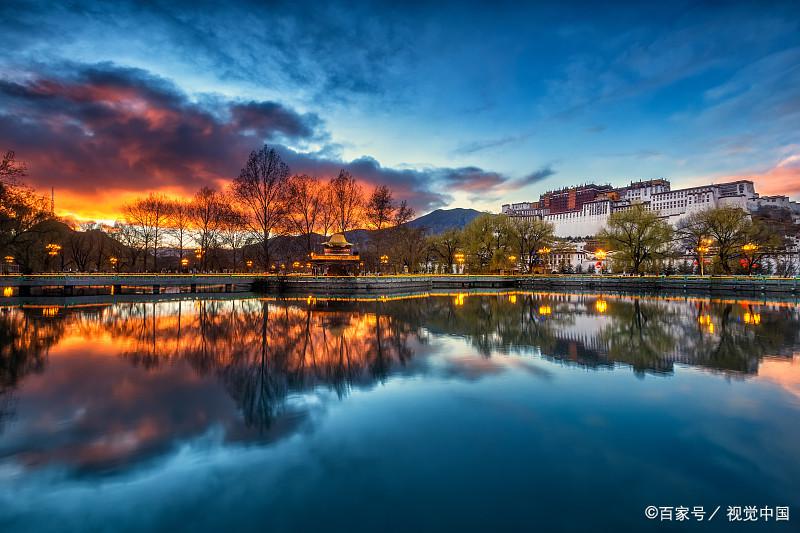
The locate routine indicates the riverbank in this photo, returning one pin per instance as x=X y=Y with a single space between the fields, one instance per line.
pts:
x=624 y=284
x=98 y=284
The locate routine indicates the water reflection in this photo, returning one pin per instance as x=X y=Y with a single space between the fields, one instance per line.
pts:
x=106 y=385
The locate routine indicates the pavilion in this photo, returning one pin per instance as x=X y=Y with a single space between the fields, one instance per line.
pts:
x=337 y=258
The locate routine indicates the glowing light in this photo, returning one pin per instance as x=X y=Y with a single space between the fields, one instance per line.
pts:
x=750 y=247
x=512 y=298
x=8 y=292
x=752 y=318
x=601 y=306
x=545 y=310
x=705 y=320
x=50 y=311
x=249 y=263
x=459 y=299
x=53 y=249
x=184 y=262
x=601 y=254
x=544 y=250
x=9 y=259
x=459 y=257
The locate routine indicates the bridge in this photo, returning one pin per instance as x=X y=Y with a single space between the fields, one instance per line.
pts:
x=116 y=284
x=70 y=284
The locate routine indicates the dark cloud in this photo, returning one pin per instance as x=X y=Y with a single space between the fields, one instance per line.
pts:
x=415 y=186
x=488 y=144
x=106 y=126
x=536 y=176
x=84 y=128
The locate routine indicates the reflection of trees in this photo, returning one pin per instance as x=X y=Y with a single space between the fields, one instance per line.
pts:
x=640 y=335
x=25 y=338
x=264 y=352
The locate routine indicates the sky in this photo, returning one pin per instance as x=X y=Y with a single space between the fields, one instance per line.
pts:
x=452 y=104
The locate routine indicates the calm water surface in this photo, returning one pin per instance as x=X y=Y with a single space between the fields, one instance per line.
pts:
x=507 y=411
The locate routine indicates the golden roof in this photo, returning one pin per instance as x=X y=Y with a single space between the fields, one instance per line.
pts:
x=338 y=240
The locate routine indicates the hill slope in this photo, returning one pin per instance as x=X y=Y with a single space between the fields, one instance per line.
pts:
x=443 y=219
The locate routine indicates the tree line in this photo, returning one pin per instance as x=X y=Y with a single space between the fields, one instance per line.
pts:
x=724 y=240
x=269 y=219
x=213 y=230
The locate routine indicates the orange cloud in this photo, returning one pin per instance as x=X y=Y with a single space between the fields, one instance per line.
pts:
x=783 y=178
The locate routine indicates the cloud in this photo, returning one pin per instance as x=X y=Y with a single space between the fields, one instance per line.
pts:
x=488 y=144
x=104 y=126
x=536 y=176
x=102 y=134
x=781 y=179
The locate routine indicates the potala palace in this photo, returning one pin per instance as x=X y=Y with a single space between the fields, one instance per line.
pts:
x=580 y=212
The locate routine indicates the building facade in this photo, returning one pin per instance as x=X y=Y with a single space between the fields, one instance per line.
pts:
x=584 y=210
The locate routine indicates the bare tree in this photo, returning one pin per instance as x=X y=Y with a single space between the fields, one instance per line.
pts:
x=234 y=231
x=403 y=213
x=347 y=199
x=81 y=245
x=261 y=188
x=308 y=202
x=380 y=207
x=178 y=224
x=150 y=216
x=208 y=211
x=133 y=242
x=326 y=219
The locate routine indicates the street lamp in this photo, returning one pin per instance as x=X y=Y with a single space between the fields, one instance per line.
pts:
x=543 y=251
x=600 y=255
x=749 y=250
x=702 y=249
x=459 y=257
x=184 y=263
x=114 y=263
x=53 y=249
x=249 y=264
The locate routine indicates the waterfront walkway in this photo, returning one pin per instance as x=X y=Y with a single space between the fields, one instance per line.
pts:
x=74 y=284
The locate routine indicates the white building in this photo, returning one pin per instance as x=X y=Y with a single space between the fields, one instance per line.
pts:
x=656 y=195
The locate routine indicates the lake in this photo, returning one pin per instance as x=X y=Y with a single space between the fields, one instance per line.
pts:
x=479 y=412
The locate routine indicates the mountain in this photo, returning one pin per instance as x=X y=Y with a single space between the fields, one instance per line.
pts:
x=442 y=220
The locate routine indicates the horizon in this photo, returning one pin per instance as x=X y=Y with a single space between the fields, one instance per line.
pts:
x=548 y=97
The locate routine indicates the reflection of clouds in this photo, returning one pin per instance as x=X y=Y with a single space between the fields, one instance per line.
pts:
x=784 y=372
x=136 y=380
x=125 y=383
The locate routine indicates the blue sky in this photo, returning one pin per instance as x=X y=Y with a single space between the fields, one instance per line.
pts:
x=452 y=104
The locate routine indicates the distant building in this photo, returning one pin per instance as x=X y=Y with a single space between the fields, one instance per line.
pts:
x=584 y=210
x=337 y=258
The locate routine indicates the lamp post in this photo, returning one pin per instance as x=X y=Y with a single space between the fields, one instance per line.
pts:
x=702 y=249
x=53 y=250
x=8 y=260
x=184 y=264
x=600 y=255
x=199 y=254
x=249 y=265
x=114 y=264
x=749 y=250
x=512 y=259
x=459 y=257
x=543 y=251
